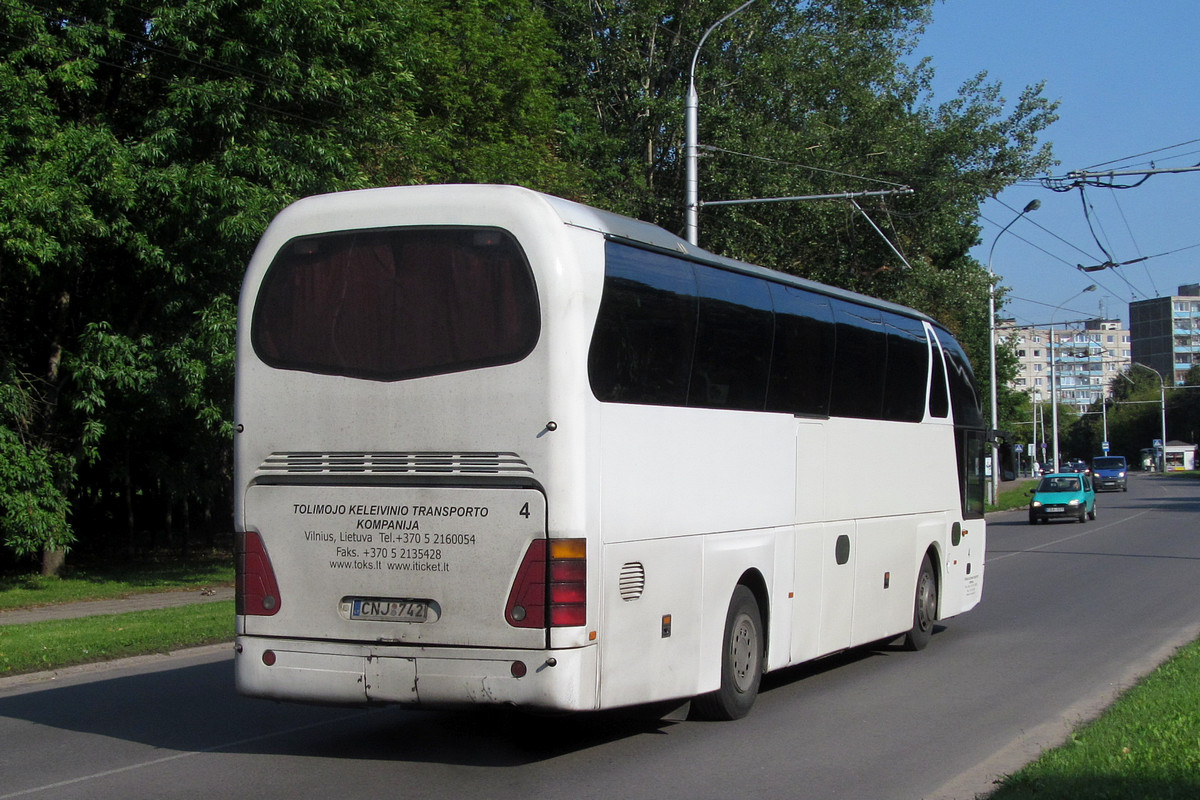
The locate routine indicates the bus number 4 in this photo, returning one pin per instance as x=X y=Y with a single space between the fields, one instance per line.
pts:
x=524 y=512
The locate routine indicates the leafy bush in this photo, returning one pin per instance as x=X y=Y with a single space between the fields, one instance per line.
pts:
x=33 y=510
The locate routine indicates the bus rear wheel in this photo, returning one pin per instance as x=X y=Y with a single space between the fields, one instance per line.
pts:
x=741 y=661
x=924 y=608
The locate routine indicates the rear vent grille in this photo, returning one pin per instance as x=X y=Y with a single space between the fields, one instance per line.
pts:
x=633 y=580
x=396 y=464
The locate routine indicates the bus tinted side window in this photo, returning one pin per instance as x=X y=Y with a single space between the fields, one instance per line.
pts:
x=859 y=370
x=964 y=393
x=907 y=369
x=802 y=359
x=677 y=333
x=939 y=400
x=969 y=433
x=733 y=341
x=641 y=349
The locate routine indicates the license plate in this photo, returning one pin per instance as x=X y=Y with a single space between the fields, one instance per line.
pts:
x=389 y=610
x=1053 y=510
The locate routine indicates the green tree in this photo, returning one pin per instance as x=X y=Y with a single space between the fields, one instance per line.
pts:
x=1134 y=417
x=487 y=98
x=143 y=149
x=1184 y=408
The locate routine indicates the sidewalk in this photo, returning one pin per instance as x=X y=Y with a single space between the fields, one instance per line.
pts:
x=134 y=602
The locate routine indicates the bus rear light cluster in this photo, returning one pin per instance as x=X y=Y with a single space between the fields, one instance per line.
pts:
x=257 y=591
x=550 y=590
x=567 y=595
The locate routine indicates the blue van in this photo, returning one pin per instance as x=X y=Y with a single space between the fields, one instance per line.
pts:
x=1108 y=472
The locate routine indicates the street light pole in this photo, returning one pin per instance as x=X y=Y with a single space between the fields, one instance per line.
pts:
x=1032 y=205
x=1162 y=399
x=1053 y=383
x=691 y=150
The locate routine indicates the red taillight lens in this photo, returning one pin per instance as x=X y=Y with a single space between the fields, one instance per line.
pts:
x=526 y=607
x=550 y=589
x=257 y=590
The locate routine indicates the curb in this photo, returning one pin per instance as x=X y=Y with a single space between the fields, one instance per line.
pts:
x=46 y=679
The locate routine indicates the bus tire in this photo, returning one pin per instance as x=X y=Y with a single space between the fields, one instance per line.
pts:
x=741 y=661
x=924 y=608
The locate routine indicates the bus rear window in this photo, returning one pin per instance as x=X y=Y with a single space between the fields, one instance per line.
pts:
x=397 y=303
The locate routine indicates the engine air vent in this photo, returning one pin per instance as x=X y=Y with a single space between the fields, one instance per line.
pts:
x=633 y=580
x=396 y=464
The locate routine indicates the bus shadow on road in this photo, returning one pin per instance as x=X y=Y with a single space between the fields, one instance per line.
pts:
x=811 y=669
x=195 y=709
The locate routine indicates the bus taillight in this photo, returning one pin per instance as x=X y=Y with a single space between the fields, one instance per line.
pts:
x=567 y=595
x=550 y=589
x=257 y=591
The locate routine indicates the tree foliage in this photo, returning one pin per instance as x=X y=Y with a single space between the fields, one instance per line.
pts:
x=143 y=148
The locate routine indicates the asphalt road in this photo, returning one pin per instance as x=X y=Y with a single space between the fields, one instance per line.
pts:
x=1072 y=614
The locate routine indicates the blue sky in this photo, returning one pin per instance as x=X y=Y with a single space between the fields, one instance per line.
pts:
x=1127 y=75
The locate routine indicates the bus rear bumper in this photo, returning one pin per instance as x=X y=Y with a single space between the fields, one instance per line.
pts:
x=345 y=673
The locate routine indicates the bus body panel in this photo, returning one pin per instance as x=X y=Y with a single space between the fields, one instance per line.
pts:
x=728 y=560
x=885 y=576
x=868 y=474
x=651 y=598
x=962 y=570
x=835 y=601
x=670 y=472
x=341 y=673
x=342 y=552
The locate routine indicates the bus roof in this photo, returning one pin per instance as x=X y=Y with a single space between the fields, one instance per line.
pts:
x=617 y=226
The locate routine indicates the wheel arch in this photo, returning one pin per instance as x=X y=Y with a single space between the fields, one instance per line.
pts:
x=934 y=553
x=753 y=580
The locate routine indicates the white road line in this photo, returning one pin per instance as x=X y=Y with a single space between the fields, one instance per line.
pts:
x=156 y=761
x=1090 y=529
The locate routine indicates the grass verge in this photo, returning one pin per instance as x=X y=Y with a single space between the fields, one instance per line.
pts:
x=1146 y=745
x=54 y=644
x=108 y=581
x=1013 y=497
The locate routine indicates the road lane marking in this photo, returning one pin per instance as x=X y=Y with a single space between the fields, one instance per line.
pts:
x=1090 y=529
x=165 y=759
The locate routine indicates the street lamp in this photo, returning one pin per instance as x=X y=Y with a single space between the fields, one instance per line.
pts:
x=691 y=155
x=1035 y=398
x=1162 y=396
x=1053 y=379
x=1032 y=205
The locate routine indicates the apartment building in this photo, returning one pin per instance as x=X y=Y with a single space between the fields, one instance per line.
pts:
x=1083 y=358
x=1166 y=333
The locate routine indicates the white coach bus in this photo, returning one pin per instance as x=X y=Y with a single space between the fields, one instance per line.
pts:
x=498 y=447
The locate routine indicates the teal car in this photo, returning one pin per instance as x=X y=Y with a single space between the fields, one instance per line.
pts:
x=1065 y=495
